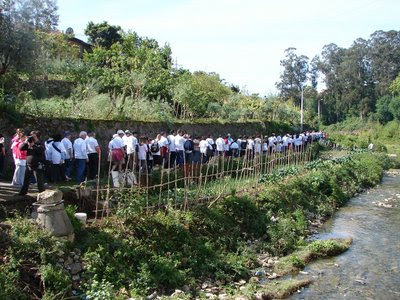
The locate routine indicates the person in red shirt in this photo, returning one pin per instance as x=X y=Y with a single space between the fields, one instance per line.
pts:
x=20 y=161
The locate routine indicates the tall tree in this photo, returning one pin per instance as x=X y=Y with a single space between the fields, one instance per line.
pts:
x=19 y=19
x=103 y=34
x=294 y=75
x=385 y=58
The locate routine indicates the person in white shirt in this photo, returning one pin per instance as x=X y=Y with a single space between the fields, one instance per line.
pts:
x=156 y=145
x=171 y=149
x=93 y=149
x=117 y=152
x=47 y=145
x=291 y=142
x=234 y=146
x=179 y=147
x=279 y=147
x=298 y=142
x=210 y=140
x=81 y=156
x=130 y=147
x=265 y=146
x=205 y=148
x=250 y=147
x=285 y=143
x=220 y=143
x=163 y=142
x=57 y=154
x=116 y=147
x=142 y=155
x=257 y=146
x=66 y=142
x=272 y=143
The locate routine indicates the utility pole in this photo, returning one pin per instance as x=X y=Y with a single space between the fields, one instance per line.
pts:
x=302 y=109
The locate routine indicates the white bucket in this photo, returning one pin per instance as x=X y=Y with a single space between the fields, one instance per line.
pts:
x=82 y=217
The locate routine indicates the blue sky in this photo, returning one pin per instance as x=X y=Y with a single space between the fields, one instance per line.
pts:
x=242 y=40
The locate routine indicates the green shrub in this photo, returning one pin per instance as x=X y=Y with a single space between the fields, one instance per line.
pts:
x=76 y=224
x=56 y=281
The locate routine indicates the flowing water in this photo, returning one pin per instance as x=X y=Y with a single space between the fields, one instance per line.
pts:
x=370 y=269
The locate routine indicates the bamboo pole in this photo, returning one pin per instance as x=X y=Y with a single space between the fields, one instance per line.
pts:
x=97 y=185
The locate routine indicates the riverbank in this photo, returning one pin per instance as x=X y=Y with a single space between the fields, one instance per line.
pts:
x=142 y=255
x=370 y=268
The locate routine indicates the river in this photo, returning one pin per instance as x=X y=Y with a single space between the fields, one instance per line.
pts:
x=370 y=269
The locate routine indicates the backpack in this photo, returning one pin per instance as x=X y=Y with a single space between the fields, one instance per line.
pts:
x=243 y=145
x=154 y=148
x=188 y=145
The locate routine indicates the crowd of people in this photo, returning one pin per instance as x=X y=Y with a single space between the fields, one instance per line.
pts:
x=57 y=158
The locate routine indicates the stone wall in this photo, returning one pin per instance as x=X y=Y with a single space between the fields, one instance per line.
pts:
x=106 y=128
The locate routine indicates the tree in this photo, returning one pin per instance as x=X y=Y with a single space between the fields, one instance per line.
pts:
x=19 y=20
x=103 y=34
x=394 y=107
x=383 y=112
x=195 y=92
x=384 y=55
x=294 y=75
x=395 y=86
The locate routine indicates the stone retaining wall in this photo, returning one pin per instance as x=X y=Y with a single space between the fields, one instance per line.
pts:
x=106 y=128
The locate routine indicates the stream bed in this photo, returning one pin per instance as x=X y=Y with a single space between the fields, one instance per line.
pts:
x=370 y=269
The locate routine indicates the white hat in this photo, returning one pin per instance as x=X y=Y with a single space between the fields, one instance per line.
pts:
x=120 y=132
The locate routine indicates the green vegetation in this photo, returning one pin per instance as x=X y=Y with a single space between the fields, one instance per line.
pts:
x=275 y=289
x=356 y=133
x=137 y=254
x=122 y=75
x=317 y=249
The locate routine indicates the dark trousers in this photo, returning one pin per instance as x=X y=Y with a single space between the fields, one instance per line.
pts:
x=93 y=165
x=170 y=159
x=39 y=175
x=80 y=170
x=57 y=173
x=1 y=164
x=68 y=167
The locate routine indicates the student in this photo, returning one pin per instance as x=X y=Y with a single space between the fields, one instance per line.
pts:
x=250 y=147
x=81 y=156
x=67 y=144
x=155 y=148
x=35 y=160
x=47 y=145
x=189 y=148
x=179 y=147
x=2 y=155
x=204 y=147
x=117 y=153
x=243 y=145
x=93 y=149
x=130 y=143
x=220 y=145
x=234 y=147
x=272 y=143
x=150 y=157
x=196 y=154
x=56 y=154
x=257 y=146
x=19 y=160
x=211 y=142
x=142 y=155
x=171 y=149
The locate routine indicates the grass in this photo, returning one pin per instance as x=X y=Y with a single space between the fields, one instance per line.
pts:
x=277 y=289
x=283 y=289
x=317 y=249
